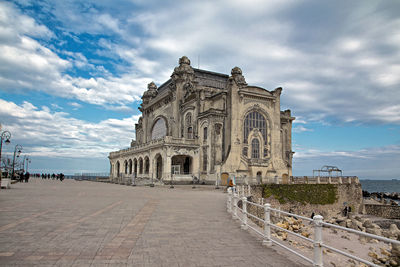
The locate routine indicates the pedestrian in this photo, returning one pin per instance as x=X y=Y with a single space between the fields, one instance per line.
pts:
x=27 y=177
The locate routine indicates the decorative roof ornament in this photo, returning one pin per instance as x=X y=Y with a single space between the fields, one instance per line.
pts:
x=238 y=77
x=184 y=72
x=150 y=93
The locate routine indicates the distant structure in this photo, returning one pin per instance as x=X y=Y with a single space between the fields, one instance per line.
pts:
x=329 y=171
x=206 y=126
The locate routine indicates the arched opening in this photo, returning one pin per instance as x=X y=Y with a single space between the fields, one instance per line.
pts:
x=126 y=167
x=159 y=166
x=259 y=178
x=135 y=167
x=146 y=165
x=140 y=166
x=181 y=164
x=130 y=166
x=118 y=168
x=205 y=133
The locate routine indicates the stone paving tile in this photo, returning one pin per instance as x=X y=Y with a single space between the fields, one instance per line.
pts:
x=72 y=223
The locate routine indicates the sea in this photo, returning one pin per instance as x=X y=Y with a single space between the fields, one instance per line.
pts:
x=389 y=186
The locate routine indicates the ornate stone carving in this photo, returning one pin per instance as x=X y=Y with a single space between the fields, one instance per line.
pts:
x=184 y=72
x=238 y=77
x=150 y=93
x=189 y=89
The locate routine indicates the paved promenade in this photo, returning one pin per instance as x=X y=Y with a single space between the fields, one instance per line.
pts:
x=80 y=223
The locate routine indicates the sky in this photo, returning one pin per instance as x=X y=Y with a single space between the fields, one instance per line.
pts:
x=72 y=74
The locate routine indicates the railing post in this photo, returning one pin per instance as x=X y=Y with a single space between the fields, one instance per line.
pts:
x=235 y=201
x=267 y=228
x=244 y=205
x=317 y=220
x=232 y=202
x=229 y=201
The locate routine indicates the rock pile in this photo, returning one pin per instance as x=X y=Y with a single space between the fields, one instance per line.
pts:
x=385 y=257
x=291 y=224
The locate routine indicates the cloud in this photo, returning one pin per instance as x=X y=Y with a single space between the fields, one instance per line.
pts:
x=342 y=66
x=55 y=134
x=27 y=64
x=301 y=129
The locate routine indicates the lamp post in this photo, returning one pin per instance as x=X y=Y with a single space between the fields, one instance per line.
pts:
x=5 y=135
x=28 y=160
x=18 y=149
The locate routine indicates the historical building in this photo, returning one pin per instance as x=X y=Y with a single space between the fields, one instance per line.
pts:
x=205 y=126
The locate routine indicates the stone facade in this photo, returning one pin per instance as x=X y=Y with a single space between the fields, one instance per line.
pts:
x=207 y=126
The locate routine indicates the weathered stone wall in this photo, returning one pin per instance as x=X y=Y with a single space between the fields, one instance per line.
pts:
x=384 y=211
x=346 y=195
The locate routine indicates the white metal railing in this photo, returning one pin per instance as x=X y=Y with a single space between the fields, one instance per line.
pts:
x=317 y=222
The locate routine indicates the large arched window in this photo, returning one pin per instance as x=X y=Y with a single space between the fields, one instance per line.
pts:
x=159 y=129
x=255 y=120
x=255 y=148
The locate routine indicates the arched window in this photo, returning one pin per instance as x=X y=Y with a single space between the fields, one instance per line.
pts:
x=159 y=129
x=188 y=125
x=188 y=119
x=255 y=120
x=205 y=133
x=255 y=148
x=244 y=152
x=190 y=133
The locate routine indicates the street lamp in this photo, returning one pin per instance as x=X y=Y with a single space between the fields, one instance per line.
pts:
x=5 y=135
x=28 y=160
x=17 y=150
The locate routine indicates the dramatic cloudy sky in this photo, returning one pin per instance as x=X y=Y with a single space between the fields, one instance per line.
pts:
x=72 y=73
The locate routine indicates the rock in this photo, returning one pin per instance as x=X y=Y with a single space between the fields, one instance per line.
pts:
x=282 y=225
x=394 y=231
x=342 y=223
x=296 y=228
x=358 y=218
x=393 y=263
x=385 y=252
x=373 y=255
x=305 y=234
x=374 y=231
x=282 y=235
x=367 y=223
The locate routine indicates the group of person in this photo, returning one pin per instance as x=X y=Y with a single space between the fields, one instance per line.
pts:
x=22 y=177
x=58 y=176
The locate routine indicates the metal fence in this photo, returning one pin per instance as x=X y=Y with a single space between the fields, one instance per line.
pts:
x=317 y=222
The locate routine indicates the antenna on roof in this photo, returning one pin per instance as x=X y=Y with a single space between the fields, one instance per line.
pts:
x=198 y=61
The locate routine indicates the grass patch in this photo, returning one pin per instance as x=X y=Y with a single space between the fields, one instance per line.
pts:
x=303 y=193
